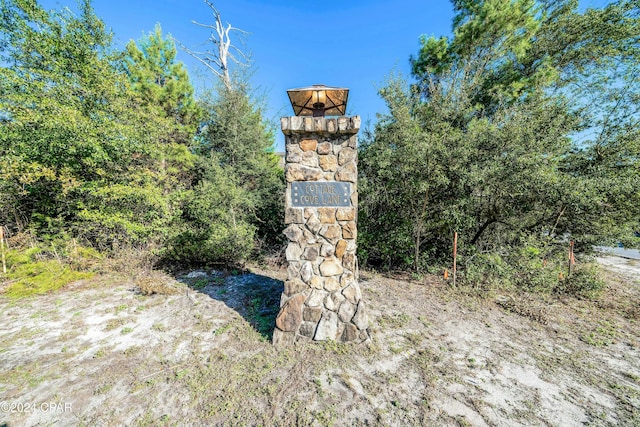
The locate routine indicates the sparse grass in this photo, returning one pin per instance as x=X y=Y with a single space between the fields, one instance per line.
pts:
x=400 y=378
x=604 y=333
x=397 y=320
x=156 y=283
x=37 y=268
x=133 y=350
x=160 y=327
x=121 y=307
x=114 y=323
x=28 y=276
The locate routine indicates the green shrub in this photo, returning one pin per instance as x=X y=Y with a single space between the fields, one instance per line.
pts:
x=584 y=282
x=42 y=269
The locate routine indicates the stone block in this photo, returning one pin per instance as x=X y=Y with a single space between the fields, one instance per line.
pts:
x=316 y=282
x=347 y=173
x=310 y=314
x=346 y=155
x=347 y=279
x=346 y=311
x=360 y=319
x=352 y=293
x=341 y=247
x=349 y=261
x=313 y=224
x=352 y=142
x=308 y=329
x=308 y=144
x=293 y=252
x=297 y=172
x=327 y=215
x=295 y=123
x=294 y=153
x=320 y=124
x=326 y=250
x=328 y=162
x=306 y=272
x=337 y=147
x=346 y=214
x=327 y=327
x=293 y=233
x=293 y=216
x=349 y=230
x=290 y=315
x=331 y=267
x=355 y=122
x=333 y=301
x=316 y=299
x=350 y=333
x=310 y=253
x=331 y=232
x=309 y=237
x=332 y=126
x=294 y=286
x=324 y=148
x=309 y=125
x=331 y=284
x=309 y=158
x=293 y=270
x=343 y=123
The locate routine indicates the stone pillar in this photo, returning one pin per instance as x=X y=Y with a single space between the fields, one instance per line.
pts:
x=321 y=298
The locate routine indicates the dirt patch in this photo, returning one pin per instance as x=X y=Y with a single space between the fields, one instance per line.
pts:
x=102 y=353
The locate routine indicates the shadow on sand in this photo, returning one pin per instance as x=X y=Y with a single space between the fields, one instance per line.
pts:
x=256 y=298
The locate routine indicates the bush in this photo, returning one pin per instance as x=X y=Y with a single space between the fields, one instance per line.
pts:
x=534 y=267
x=584 y=282
x=41 y=267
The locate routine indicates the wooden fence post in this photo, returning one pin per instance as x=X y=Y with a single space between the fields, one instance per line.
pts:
x=572 y=260
x=455 y=255
x=4 y=262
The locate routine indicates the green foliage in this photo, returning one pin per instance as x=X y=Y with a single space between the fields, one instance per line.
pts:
x=514 y=135
x=159 y=81
x=42 y=269
x=215 y=222
x=584 y=282
x=80 y=153
x=99 y=144
x=238 y=139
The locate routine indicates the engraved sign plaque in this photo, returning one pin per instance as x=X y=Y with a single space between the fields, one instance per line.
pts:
x=321 y=194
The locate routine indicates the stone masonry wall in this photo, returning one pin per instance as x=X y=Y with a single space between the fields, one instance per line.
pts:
x=321 y=298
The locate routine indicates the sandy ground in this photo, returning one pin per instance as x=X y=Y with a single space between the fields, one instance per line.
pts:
x=99 y=353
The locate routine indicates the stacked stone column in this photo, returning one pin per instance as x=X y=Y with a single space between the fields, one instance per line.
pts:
x=321 y=298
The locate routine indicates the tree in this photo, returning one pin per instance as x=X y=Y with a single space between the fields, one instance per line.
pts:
x=217 y=60
x=79 y=152
x=241 y=141
x=215 y=226
x=488 y=142
x=60 y=91
x=161 y=81
x=238 y=189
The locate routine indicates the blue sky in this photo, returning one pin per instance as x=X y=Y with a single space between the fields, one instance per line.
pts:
x=354 y=44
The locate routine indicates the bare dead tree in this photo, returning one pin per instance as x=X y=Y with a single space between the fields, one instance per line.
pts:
x=217 y=61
